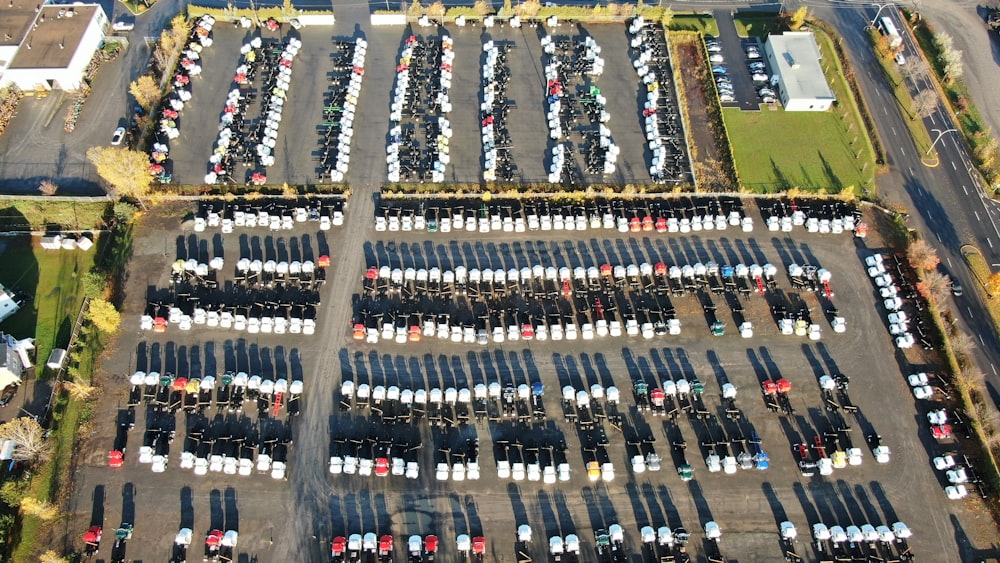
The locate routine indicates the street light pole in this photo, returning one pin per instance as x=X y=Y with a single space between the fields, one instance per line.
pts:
x=879 y=12
x=938 y=138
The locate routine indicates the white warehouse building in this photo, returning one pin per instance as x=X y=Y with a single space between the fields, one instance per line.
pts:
x=49 y=48
x=794 y=60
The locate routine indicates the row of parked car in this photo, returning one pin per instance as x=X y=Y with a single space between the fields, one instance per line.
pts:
x=756 y=67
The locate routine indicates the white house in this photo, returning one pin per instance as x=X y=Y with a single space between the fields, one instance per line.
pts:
x=13 y=360
x=49 y=48
x=8 y=305
x=794 y=60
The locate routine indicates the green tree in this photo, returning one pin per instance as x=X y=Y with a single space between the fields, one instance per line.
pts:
x=126 y=171
x=798 y=18
x=993 y=284
x=145 y=91
x=104 y=316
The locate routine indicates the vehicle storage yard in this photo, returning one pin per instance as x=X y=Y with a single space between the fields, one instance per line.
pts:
x=299 y=516
x=312 y=451
x=298 y=159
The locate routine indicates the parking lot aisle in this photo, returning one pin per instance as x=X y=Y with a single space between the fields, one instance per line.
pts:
x=466 y=164
x=371 y=127
x=619 y=84
x=527 y=123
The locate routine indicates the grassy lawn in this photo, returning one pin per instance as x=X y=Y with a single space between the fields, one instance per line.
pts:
x=778 y=150
x=40 y=214
x=756 y=24
x=702 y=23
x=53 y=279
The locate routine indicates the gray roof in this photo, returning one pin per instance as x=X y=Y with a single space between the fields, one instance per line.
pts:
x=797 y=58
x=15 y=18
x=53 y=41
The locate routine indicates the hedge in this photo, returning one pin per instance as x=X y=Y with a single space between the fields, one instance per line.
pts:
x=233 y=14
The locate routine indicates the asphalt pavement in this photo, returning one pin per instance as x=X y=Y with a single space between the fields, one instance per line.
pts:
x=946 y=203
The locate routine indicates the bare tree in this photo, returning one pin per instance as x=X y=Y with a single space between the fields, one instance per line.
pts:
x=913 y=68
x=48 y=187
x=922 y=255
x=29 y=439
x=934 y=286
x=41 y=509
x=924 y=104
x=963 y=345
x=950 y=57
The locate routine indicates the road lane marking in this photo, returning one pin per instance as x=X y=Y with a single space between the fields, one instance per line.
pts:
x=894 y=132
x=969 y=309
x=948 y=258
x=976 y=213
x=902 y=151
x=965 y=189
x=989 y=242
x=994 y=368
x=981 y=340
x=953 y=165
x=885 y=110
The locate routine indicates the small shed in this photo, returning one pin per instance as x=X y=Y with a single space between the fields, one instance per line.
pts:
x=84 y=243
x=57 y=357
x=69 y=243
x=52 y=242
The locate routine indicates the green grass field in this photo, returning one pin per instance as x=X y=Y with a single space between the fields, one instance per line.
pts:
x=39 y=214
x=779 y=150
x=702 y=23
x=53 y=279
x=755 y=25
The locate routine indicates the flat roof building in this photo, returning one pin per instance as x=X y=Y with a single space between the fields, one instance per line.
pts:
x=49 y=47
x=794 y=59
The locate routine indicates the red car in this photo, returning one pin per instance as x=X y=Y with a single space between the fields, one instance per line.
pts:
x=359 y=331
x=661 y=225
x=941 y=432
x=381 y=467
x=116 y=459
x=635 y=224
x=527 y=332
x=647 y=223
x=339 y=546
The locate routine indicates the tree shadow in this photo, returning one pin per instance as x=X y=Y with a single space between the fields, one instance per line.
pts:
x=781 y=181
x=831 y=176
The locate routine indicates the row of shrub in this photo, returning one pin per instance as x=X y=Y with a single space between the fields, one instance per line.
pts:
x=535 y=10
x=528 y=190
x=231 y=13
x=240 y=190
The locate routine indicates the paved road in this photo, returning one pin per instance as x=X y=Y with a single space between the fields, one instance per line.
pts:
x=945 y=202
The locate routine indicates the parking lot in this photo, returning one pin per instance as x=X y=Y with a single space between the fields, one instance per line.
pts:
x=732 y=51
x=296 y=154
x=297 y=518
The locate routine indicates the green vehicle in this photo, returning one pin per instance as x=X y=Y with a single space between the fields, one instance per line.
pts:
x=685 y=471
x=603 y=540
x=718 y=328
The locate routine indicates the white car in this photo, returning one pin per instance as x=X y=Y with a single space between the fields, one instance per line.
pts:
x=118 y=136
x=123 y=26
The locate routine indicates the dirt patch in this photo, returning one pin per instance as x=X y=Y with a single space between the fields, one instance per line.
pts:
x=705 y=154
